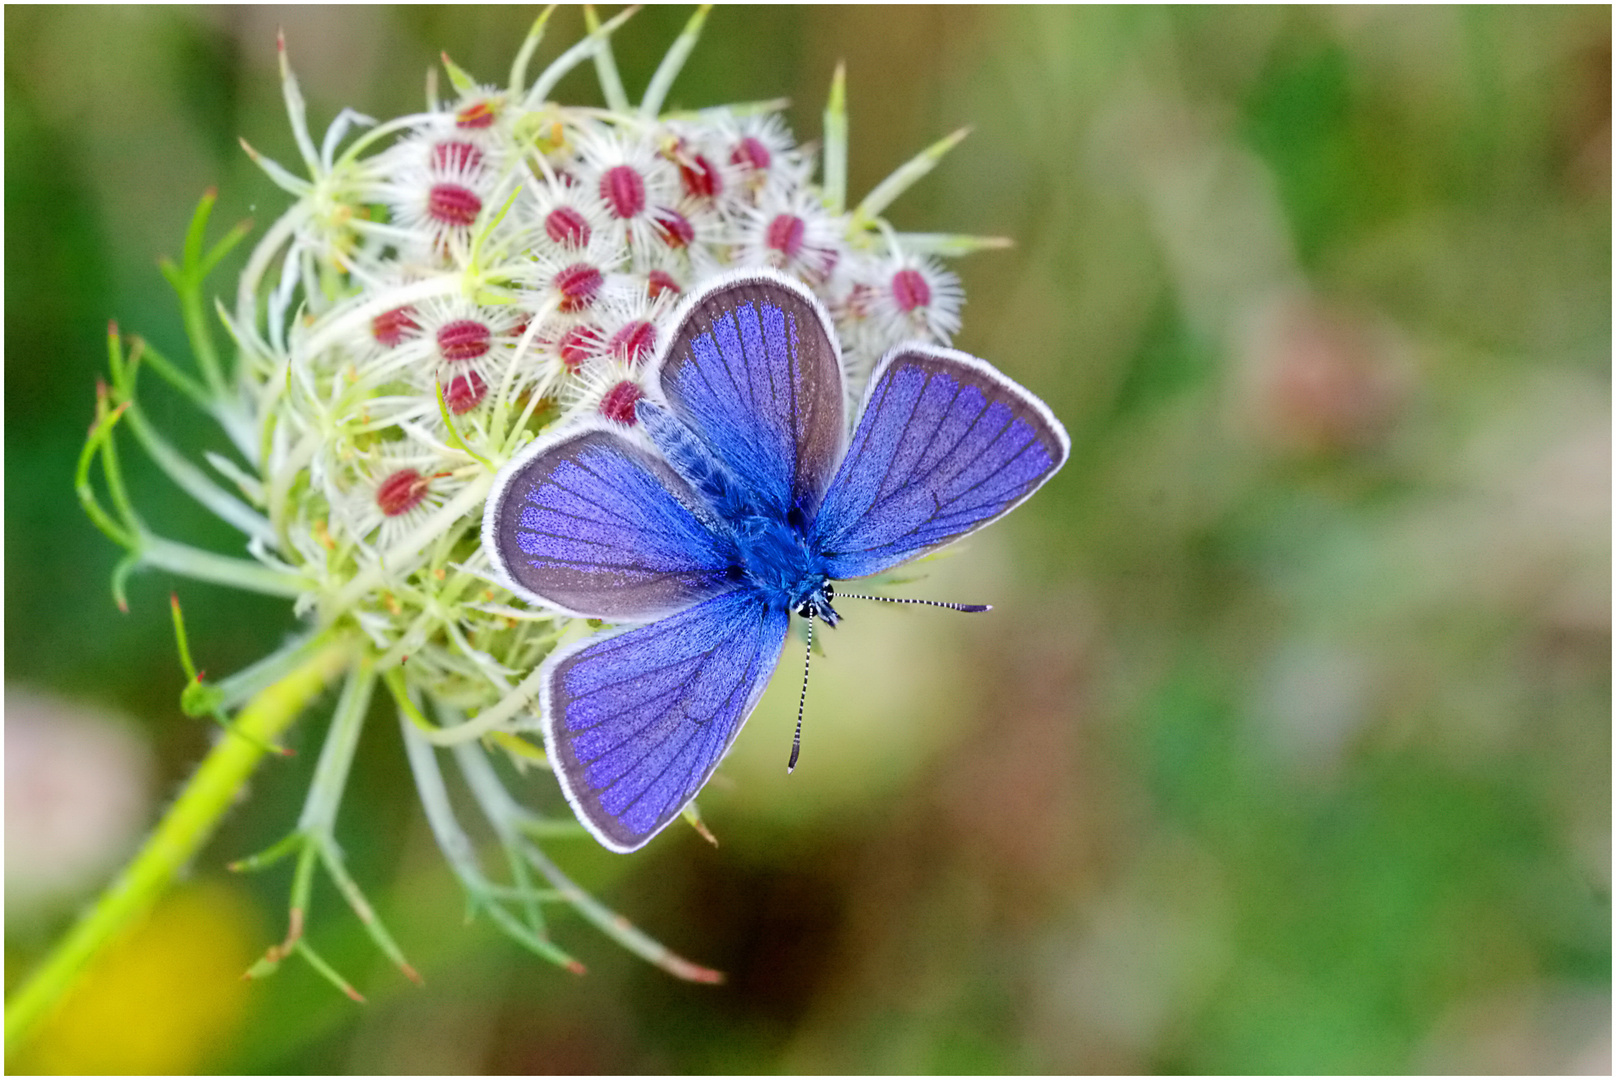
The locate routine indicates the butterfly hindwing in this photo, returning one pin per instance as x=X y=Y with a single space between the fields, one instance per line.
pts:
x=754 y=370
x=636 y=722
x=945 y=444
x=592 y=524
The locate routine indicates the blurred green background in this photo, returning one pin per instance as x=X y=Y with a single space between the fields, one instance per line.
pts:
x=1287 y=744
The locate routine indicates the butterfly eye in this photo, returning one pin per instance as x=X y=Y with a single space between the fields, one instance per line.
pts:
x=830 y=591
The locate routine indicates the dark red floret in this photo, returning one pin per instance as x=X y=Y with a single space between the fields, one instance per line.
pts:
x=700 y=177
x=909 y=290
x=578 y=284
x=785 y=234
x=635 y=342
x=623 y=188
x=463 y=340
x=465 y=392
x=401 y=492
x=674 y=228
x=576 y=346
x=391 y=327
x=618 y=404
x=452 y=204
x=456 y=157
x=658 y=282
x=751 y=153
x=565 y=225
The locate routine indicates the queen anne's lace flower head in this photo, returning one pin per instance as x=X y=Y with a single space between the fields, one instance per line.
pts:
x=445 y=287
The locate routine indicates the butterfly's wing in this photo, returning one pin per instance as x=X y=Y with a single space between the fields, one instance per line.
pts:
x=591 y=524
x=636 y=722
x=945 y=445
x=753 y=369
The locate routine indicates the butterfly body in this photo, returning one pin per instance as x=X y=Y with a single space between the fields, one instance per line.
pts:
x=784 y=572
x=733 y=508
x=773 y=556
x=739 y=501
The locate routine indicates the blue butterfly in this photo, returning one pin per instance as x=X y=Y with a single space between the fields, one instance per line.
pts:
x=737 y=500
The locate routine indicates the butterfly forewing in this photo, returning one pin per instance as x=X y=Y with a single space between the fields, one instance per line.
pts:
x=945 y=445
x=753 y=369
x=636 y=723
x=594 y=525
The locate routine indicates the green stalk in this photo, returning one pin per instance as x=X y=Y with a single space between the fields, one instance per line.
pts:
x=203 y=565
x=901 y=179
x=661 y=82
x=611 y=83
x=189 y=823
x=530 y=45
x=835 y=171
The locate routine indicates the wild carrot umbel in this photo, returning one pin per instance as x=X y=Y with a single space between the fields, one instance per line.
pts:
x=444 y=287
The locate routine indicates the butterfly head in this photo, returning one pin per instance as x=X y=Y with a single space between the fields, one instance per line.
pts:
x=815 y=604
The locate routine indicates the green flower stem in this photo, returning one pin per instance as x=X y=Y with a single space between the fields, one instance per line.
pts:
x=524 y=697
x=574 y=56
x=178 y=837
x=220 y=569
x=725 y=112
x=509 y=819
x=661 y=82
x=530 y=45
x=951 y=244
x=252 y=274
x=296 y=110
x=479 y=774
x=611 y=84
x=901 y=179
x=142 y=350
x=187 y=277
x=194 y=481
x=835 y=174
x=462 y=853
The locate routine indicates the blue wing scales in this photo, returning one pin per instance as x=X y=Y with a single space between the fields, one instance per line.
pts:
x=594 y=525
x=635 y=723
x=945 y=445
x=752 y=368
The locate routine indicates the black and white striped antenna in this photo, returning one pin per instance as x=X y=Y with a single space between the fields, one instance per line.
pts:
x=807 y=658
x=929 y=603
x=796 y=739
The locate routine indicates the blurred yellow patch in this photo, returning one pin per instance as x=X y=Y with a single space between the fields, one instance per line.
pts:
x=163 y=1000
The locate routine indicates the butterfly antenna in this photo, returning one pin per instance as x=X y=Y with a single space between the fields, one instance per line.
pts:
x=796 y=739
x=928 y=603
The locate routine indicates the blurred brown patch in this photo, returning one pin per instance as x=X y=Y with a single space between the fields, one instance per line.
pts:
x=1318 y=378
